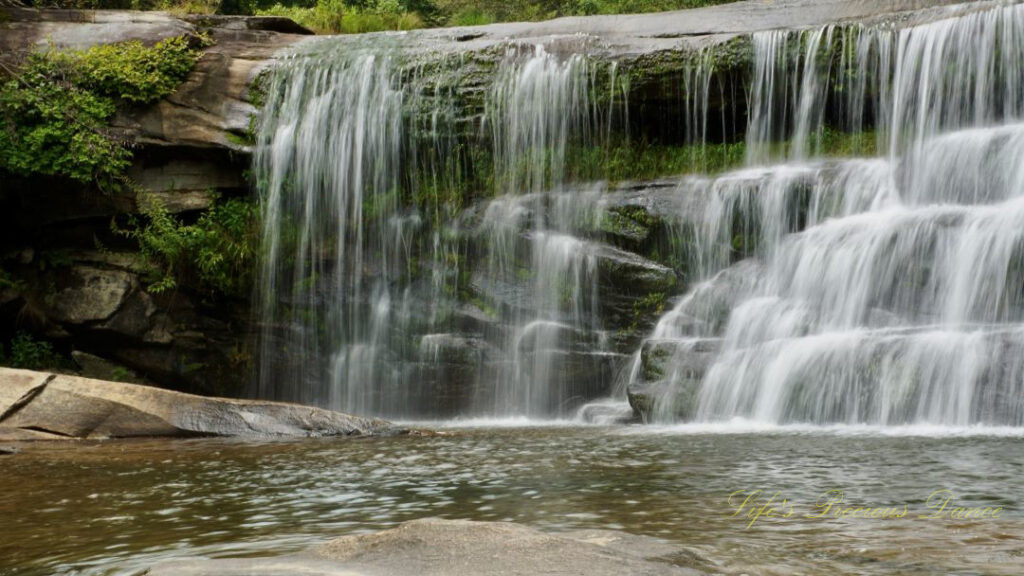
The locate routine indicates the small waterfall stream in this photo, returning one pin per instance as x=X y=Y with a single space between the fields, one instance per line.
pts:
x=337 y=162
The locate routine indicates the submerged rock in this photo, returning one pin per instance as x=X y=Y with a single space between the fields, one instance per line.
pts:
x=607 y=412
x=433 y=546
x=37 y=405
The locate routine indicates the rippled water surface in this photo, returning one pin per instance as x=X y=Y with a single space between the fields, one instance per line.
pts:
x=118 y=507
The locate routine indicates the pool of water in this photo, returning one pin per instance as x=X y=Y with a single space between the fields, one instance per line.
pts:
x=118 y=507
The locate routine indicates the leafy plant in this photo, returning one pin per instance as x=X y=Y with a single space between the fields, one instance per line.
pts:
x=349 y=17
x=29 y=353
x=55 y=109
x=137 y=73
x=214 y=255
x=50 y=125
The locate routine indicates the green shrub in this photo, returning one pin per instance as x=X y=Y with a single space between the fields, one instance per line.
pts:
x=472 y=17
x=348 y=17
x=587 y=7
x=473 y=12
x=55 y=109
x=49 y=125
x=31 y=354
x=215 y=255
x=137 y=73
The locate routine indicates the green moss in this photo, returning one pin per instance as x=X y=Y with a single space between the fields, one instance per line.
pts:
x=484 y=307
x=256 y=93
x=642 y=161
x=653 y=360
x=649 y=306
x=734 y=56
x=632 y=223
x=239 y=140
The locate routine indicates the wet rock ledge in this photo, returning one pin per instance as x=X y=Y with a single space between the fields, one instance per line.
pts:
x=44 y=406
x=435 y=547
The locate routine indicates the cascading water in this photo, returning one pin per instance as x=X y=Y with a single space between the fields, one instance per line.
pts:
x=884 y=291
x=349 y=143
x=880 y=290
x=539 y=105
x=336 y=155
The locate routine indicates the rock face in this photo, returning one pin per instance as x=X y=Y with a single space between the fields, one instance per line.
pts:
x=37 y=405
x=186 y=148
x=196 y=143
x=435 y=547
x=91 y=295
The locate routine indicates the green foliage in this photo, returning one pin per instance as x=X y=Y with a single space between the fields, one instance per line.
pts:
x=176 y=6
x=350 y=16
x=121 y=374
x=29 y=353
x=137 y=73
x=474 y=12
x=54 y=110
x=50 y=125
x=588 y=7
x=355 y=16
x=471 y=17
x=214 y=255
x=9 y=281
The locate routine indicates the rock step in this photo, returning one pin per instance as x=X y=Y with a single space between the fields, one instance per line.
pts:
x=39 y=405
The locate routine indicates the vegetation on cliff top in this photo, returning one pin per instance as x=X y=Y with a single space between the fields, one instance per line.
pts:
x=355 y=16
x=55 y=108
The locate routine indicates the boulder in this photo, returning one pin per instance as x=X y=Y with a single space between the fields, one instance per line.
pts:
x=436 y=547
x=75 y=407
x=88 y=294
x=671 y=371
x=92 y=366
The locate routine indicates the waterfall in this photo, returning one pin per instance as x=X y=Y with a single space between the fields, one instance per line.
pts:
x=336 y=161
x=358 y=161
x=909 y=84
x=882 y=291
x=427 y=250
x=539 y=105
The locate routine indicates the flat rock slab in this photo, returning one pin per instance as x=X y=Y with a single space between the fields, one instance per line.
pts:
x=435 y=547
x=38 y=405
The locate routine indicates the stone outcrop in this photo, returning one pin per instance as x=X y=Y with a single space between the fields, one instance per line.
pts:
x=94 y=306
x=187 y=148
x=435 y=547
x=39 y=405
